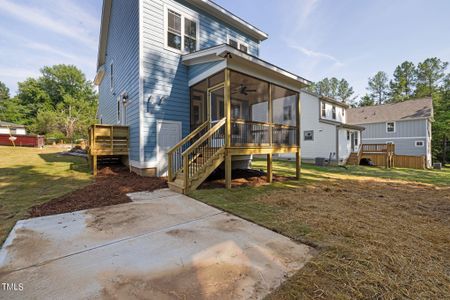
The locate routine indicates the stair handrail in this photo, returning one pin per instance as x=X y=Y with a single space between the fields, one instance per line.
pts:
x=204 y=137
x=171 y=171
x=190 y=167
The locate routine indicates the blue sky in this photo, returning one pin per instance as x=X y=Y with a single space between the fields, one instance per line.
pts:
x=312 y=38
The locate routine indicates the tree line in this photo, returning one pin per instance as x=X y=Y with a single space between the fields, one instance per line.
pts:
x=60 y=103
x=409 y=81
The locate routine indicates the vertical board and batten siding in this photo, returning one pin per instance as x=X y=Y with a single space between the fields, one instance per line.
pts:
x=165 y=77
x=123 y=50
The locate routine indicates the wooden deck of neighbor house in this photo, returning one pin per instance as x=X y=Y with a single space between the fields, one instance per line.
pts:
x=217 y=140
x=384 y=155
x=107 y=141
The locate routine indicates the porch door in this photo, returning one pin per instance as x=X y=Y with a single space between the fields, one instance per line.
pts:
x=216 y=106
x=352 y=140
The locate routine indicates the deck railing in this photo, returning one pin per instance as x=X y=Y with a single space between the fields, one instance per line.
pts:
x=254 y=133
x=378 y=148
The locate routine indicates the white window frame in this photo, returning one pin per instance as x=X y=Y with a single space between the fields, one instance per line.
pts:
x=419 y=146
x=239 y=42
x=185 y=14
x=395 y=127
x=323 y=109
x=304 y=135
x=333 y=112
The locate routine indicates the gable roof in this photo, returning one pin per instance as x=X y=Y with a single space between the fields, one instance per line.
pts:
x=407 y=110
x=206 y=5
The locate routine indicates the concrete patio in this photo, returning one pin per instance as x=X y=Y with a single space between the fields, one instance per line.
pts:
x=162 y=245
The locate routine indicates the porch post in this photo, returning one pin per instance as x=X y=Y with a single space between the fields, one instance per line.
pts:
x=227 y=109
x=298 y=158
x=270 y=116
x=269 y=168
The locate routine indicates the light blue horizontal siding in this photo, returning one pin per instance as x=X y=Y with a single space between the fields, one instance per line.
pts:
x=407 y=128
x=123 y=50
x=165 y=77
x=196 y=70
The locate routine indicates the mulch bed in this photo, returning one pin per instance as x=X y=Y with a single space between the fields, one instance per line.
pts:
x=110 y=187
x=241 y=177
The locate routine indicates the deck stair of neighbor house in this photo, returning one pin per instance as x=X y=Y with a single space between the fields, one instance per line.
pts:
x=381 y=154
x=196 y=156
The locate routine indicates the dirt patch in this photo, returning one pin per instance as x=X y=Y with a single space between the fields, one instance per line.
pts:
x=27 y=247
x=110 y=187
x=215 y=281
x=181 y=233
x=240 y=177
x=228 y=225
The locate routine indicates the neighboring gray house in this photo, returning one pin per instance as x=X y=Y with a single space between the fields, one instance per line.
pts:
x=11 y=128
x=406 y=124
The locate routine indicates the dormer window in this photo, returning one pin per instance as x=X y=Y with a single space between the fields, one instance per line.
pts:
x=181 y=32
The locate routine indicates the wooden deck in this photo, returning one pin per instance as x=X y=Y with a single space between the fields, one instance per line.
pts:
x=107 y=141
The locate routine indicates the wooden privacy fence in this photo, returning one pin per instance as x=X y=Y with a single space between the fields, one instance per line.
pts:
x=107 y=140
x=408 y=161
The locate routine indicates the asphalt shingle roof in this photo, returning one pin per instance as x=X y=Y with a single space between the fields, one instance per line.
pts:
x=411 y=109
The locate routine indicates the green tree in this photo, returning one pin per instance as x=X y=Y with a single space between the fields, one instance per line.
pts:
x=11 y=110
x=366 y=100
x=430 y=74
x=4 y=92
x=338 y=89
x=404 y=82
x=378 y=87
x=60 y=101
x=441 y=124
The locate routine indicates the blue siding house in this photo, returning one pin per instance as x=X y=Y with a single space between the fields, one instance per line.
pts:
x=158 y=64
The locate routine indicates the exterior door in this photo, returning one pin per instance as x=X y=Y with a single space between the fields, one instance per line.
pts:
x=168 y=133
x=216 y=107
x=352 y=140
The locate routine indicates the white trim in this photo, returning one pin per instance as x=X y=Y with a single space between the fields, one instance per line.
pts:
x=185 y=14
x=420 y=141
x=143 y=164
x=397 y=138
x=395 y=127
x=230 y=18
x=141 y=81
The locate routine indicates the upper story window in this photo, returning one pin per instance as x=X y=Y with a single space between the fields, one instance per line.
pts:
x=324 y=110
x=181 y=32
x=390 y=127
x=237 y=44
x=343 y=112
x=333 y=112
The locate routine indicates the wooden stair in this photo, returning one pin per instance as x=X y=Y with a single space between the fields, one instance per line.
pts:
x=205 y=165
x=204 y=152
x=353 y=159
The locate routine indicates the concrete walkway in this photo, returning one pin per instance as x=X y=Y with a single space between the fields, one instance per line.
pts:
x=163 y=245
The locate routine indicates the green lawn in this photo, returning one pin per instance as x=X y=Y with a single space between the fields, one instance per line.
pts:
x=31 y=176
x=381 y=234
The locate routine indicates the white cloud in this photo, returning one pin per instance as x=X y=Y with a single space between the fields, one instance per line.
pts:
x=317 y=55
x=59 y=24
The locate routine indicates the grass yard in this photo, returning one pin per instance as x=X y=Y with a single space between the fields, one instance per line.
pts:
x=31 y=176
x=381 y=234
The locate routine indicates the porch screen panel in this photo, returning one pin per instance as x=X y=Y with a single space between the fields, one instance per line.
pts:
x=198 y=104
x=284 y=111
x=249 y=110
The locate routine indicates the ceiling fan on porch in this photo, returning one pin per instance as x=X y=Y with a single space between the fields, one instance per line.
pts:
x=243 y=89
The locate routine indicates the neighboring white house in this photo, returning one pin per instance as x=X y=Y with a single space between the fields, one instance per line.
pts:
x=406 y=124
x=324 y=130
x=11 y=128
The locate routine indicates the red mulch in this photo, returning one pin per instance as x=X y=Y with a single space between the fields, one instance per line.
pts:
x=240 y=177
x=110 y=187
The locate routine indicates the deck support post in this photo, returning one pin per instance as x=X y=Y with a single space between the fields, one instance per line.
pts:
x=94 y=165
x=269 y=168
x=298 y=164
x=228 y=170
